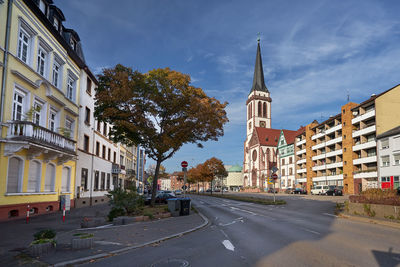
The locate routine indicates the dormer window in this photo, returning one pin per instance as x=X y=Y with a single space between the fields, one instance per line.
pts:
x=72 y=43
x=42 y=6
x=56 y=23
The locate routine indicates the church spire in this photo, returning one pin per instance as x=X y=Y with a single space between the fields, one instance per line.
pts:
x=258 y=79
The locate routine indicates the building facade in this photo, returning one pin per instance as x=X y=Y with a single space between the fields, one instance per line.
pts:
x=388 y=144
x=234 y=180
x=286 y=160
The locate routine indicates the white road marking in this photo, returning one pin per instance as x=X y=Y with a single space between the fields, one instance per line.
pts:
x=201 y=202
x=222 y=231
x=311 y=231
x=234 y=221
x=252 y=213
x=328 y=214
x=107 y=243
x=228 y=245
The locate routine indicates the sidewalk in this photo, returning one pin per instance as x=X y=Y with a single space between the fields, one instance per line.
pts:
x=17 y=235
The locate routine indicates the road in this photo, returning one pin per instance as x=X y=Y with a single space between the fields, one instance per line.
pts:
x=305 y=232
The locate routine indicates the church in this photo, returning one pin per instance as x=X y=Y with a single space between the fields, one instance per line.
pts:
x=261 y=144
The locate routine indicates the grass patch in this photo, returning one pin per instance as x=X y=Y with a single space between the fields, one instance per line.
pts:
x=84 y=235
x=257 y=200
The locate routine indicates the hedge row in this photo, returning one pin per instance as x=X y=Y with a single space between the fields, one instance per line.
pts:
x=377 y=196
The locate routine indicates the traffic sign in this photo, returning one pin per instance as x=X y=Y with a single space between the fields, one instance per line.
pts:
x=184 y=164
x=274 y=169
x=274 y=176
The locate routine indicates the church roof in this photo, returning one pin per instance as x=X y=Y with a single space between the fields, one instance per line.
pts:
x=258 y=79
x=270 y=137
x=235 y=168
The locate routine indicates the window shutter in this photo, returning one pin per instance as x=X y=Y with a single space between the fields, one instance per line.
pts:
x=34 y=177
x=49 y=180
x=65 y=179
x=14 y=168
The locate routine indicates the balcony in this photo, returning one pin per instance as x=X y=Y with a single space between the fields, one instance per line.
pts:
x=366 y=174
x=316 y=136
x=334 y=153
x=334 y=165
x=130 y=172
x=363 y=117
x=334 y=141
x=334 y=129
x=318 y=146
x=301 y=170
x=369 y=144
x=364 y=160
x=328 y=178
x=299 y=143
x=301 y=161
x=38 y=140
x=319 y=167
x=115 y=169
x=321 y=156
x=364 y=131
x=301 y=152
x=301 y=180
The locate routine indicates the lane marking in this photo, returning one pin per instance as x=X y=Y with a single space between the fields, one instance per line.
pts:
x=252 y=213
x=201 y=202
x=328 y=214
x=228 y=245
x=311 y=231
x=222 y=231
x=234 y=221
x=107 y=243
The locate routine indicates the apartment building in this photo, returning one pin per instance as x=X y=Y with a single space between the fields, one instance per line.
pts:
x=41 y=66
x=286 y=159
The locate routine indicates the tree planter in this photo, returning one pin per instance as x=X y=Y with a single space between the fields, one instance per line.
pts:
x=374 y=210
x=40 y=249
x=82 y=243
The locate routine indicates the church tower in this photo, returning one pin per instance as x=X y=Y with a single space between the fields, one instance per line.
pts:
x=259 y=101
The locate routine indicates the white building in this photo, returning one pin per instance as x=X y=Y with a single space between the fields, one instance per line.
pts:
x=389 y=158
x=234 y=180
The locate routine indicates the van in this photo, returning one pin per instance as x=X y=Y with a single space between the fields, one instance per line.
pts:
x=319 y=190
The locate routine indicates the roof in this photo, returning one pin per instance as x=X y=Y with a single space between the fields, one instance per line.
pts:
x=258 y=79
x=289 y=136
x=301 y=130
x=235 y=168
x=391 y=132
x=270 y=137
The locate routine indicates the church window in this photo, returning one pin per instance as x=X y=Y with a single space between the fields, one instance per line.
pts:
x=259 y=109
x=264 y=110
x=251 y=113
x=254 y=155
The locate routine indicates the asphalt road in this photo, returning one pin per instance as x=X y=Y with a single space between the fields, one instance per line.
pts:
x=305 y=232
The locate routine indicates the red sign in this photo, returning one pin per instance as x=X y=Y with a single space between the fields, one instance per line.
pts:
x=274 y=176
x=184 y=164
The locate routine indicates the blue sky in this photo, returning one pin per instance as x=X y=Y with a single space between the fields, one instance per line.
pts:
x=314 y=53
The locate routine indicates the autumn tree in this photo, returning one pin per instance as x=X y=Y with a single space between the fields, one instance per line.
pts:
x=214 y=168
x=159 y=110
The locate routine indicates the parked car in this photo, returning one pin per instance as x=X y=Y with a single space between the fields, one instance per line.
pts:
x=178 y=192
x=319 y=190
x=169 y=192
x=225 y=190
x=334 y=190
x=289 y=190
x=160 y=198
x=208 y=190
x=217 y=190
x=299 y=191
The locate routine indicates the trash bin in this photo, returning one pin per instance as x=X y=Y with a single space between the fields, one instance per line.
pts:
x=174 y=206
x=185 y=206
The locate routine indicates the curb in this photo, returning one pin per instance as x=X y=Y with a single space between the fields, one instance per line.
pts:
x=369 y=220
x=119 y=251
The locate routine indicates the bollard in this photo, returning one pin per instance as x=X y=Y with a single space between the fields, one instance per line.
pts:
x=27 y=214
x=64 y=213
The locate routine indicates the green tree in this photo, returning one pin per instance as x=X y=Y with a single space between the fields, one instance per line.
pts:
x=159 y=110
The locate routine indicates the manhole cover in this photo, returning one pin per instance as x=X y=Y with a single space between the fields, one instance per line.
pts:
x=171 y=263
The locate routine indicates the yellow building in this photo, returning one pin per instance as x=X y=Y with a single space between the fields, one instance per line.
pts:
x=39 y=113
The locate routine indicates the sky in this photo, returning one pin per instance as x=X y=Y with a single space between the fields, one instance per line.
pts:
x=315 y=54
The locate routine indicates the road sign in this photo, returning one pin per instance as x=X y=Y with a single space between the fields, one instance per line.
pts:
x=184 y=164
x=274 y=169
x=274 y=176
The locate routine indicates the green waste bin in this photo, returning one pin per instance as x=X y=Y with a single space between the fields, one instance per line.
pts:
x=185 y=206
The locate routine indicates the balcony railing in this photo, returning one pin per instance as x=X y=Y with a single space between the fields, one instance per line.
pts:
x=115 y=169
x=28 y=131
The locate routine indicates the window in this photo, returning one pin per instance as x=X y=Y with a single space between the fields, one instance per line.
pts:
x=397 y=159
x=98 y=126
x=50 y=178
x=121 y=160
x=89 y=86
x=104 y=152
x=283 y=161
x=24 y=40
x=52 y=120
x=108 y=181
x=264 y=110
x=41 y=61
x=385 y=179
x=283 y=172
x=56 y=73
x=103 y=180
x=109 y=154
x=290 y=160
x=69 y=125
x=385 y=161
x=385 y=143
x=371 y=152
x=344 y=136
x=42 y=6
x=84 y=179
x=87 y=116
x=18 y=105
x=56 y=23
x=65 y=179
x=37 y=107
x=344 y=111
x=96 y=180
x=71 y=88
x=115 y=157
x=72 y=43
x=15 y=173
x=97 y=148
x=290 y=171
x=259 y=109
x=396 y=179
x=34 y=176
x=86 y=143
x=105 y=129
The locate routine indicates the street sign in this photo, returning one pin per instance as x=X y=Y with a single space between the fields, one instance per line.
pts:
x=184 y=169
x=274 y=176
x=274 y=169
x=184 y=164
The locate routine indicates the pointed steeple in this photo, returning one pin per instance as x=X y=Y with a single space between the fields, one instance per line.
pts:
x=258 y=79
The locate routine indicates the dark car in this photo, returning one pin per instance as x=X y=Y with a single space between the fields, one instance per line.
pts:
x=289 y=191
x=208 y=190
x=160 y=198
x=217 y=190
x=299 y=191
x=271 y=190
x=334 y=190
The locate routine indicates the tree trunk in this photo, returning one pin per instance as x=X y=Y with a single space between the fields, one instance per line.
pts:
x=155 y=179
x=211 y=185
x=198 y=188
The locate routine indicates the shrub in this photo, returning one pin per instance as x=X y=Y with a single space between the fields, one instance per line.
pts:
x=377 y=196
x=44 y=234
x=115 y=212
x=127 y=200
